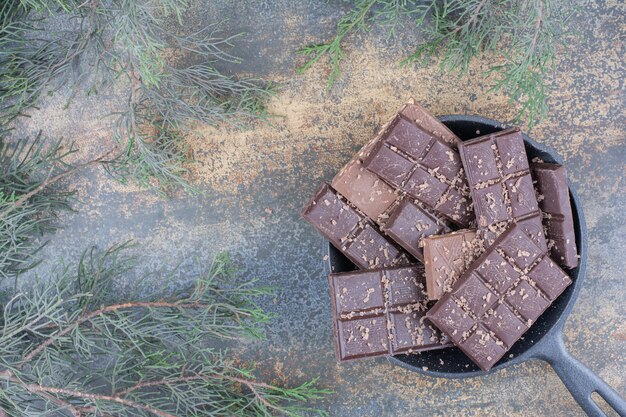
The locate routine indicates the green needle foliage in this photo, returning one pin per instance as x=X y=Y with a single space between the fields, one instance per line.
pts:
x=522 y=35
x=137 y=47
x=28 y=202
x=70 y=346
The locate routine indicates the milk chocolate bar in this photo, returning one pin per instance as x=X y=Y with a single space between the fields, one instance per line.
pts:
x=366 y=191
x=553 y=196
x=500 y=183
x=351 y=231
x=401 y=217
x=499 y=297
x=381 y=312
x=447 y=257
x=415 y=162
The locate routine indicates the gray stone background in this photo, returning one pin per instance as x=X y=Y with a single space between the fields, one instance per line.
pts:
x=255 y=182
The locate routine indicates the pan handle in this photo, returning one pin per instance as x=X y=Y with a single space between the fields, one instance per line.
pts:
x=579 y=380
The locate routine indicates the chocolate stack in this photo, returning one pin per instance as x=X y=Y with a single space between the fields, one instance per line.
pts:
x=457 y=243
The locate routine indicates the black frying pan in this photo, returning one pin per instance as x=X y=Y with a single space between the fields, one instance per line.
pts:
x=544 y=340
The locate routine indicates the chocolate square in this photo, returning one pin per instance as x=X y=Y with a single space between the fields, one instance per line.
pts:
x=425 y=187
x=389 y=165
x=372 y=247
x=505 y=324
x=497 y=272
x=489 y=205
x=455 y=319
x=405 y=137
x=408 y=222
x=474 y=295
x=363 y=337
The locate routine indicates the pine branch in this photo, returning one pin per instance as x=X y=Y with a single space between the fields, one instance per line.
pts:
x=351 y=22
x=66 y=349
x=525 y=34
x=124 y=43
x=28 y=202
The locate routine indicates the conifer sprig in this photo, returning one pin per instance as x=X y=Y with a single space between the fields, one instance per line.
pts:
x=29 y=200
x=137 y=46
x=70 y=345
x=522 y=36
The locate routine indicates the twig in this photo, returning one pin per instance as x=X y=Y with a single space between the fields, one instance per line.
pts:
x=471 y=20
x=49 y=181
x=103 y=310
x=39 y=389
x=60 y=402
x=250 y=384
x=531 y=49
x=156 y=383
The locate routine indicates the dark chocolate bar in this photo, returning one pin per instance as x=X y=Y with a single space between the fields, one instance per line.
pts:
x=351 y=231
x=447 y=257
x=553 y=197
x=381 y=312
x=500 y=183
x=499 y=297
x=423 y=166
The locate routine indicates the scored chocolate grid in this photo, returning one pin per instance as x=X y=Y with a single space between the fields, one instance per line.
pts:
x=451 y=183
x=457 y=183
x=387 y=309
x=502 y=300
x=502 y=177
x=352 y=227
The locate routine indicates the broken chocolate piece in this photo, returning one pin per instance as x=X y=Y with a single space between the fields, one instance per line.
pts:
x=423 y=166
x=351 y=232
x=500 y=183
x=499 y=297
x=381 y=312
x=551 y=182
x=447 y=257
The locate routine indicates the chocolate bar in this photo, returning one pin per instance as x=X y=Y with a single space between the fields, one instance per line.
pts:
x=381 y=312
x=367 y=192
x=351 y=231
x=423 y=166
x=553 y=197
x=499 y=297
x=447 y=257
x=500 y=183
x=404 y=219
